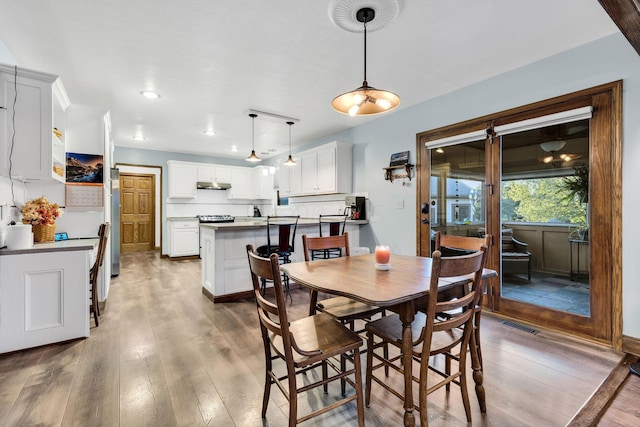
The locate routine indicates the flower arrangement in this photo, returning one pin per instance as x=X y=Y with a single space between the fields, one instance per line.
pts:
x=40 y=212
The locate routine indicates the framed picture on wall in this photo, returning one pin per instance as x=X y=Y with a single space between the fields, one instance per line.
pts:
x=85 y=169
x=399 y=159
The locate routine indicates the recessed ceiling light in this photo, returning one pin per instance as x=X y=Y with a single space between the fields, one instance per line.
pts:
x=150 y=94
x=138 y=137
x=233 y=148
x=210 y=132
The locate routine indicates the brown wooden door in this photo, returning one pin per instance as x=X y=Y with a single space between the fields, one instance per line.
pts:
x=137 y=214
x=603 y=320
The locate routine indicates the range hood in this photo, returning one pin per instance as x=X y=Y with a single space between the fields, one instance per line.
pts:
x=208 y=185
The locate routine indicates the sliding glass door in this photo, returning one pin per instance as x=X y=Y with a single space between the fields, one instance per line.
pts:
x=542 y=181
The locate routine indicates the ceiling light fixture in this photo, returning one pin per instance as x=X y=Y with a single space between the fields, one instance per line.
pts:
x=552 y=147
x=138 y=137
x=150 y=94
x=234 y=148
x=290 y=161
x=365 y=100
x=209 y=132
x=252 y=157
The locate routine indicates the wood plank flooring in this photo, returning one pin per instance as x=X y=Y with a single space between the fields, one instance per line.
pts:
x=165 y=355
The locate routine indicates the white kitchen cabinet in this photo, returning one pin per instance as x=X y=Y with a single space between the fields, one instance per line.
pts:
x=184 y=237
x=213 y=173
x=40 y=106
x=323 y=170
x=289 y=179
x=262 y=183
x=45 y=297
x=183 y=177
x=241 y=183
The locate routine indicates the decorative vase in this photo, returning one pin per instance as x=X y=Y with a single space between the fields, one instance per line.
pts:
x=44 y=233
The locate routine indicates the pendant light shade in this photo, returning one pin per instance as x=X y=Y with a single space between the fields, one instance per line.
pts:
x=252 y=157
x=365 y=100
x=290 y=161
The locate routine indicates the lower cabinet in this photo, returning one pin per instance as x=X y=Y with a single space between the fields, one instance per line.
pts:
x=184 y=238
x=44 y=298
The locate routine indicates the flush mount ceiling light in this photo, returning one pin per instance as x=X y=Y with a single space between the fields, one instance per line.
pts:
x=252 y=157
x=209 y=132
x=365 y=100
x=138 y=137
x=290 y=161
x=150 y=94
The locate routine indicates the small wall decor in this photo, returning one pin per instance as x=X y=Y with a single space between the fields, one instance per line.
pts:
x=85 y=179
x=85 y=169
x=399 y=162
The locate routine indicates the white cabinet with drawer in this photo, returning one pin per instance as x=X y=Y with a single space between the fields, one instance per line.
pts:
x=184 y=237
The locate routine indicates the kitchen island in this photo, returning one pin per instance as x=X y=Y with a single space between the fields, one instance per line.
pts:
x=225 y=268
x=44 y=293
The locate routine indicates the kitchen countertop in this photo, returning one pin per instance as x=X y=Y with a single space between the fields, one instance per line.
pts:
x=256 y=222
x=66 y=245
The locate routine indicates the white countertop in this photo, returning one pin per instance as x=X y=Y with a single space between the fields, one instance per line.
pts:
x=256 y=222
x=66 y=245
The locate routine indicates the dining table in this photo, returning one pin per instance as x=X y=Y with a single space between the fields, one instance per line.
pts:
x=400 y=289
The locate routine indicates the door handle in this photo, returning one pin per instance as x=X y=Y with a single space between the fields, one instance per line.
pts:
x=424 y=220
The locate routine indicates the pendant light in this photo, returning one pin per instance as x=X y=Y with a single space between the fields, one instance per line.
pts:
x=365 y=100
x=290 y=161
x=252 y=157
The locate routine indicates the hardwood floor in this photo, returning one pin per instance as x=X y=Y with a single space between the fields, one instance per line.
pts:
x=165 y=355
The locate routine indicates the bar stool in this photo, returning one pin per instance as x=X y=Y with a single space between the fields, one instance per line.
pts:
x=281 y=235
x=333 y=225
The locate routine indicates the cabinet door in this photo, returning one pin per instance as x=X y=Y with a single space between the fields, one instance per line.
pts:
x=206 y=173
x=309 y=173
x=182 y=180
x=222 y=174
x=37 y=153
x=295 y=178
x=184 y=242
x=241 y=184
x=262 y=183
x=326 y=171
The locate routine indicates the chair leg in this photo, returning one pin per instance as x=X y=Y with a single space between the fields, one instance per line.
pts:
x=267 y=378
x=529 y=269
x=368 y=371
x=325 y=374
x=463 y=384
x=94 y=304
x=358 y=377
x=476 y=362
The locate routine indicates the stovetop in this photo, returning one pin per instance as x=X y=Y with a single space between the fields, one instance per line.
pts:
x=216 y=218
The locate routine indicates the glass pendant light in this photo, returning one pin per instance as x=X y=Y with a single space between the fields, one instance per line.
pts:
x=252 y=157
x=365 y=100
x=290 y=161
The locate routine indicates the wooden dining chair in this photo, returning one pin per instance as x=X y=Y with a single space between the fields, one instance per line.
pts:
x=450 y=245
x=432 y=335
x=330 y=225
x=345 y=310
x=303 y=344
x=103 y=234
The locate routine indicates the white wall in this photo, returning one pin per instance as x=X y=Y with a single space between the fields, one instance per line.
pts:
x=603 y=61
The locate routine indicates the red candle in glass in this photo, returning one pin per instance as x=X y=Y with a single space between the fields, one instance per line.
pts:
x=383 y=253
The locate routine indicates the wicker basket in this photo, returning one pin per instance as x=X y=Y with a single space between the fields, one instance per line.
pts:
x=44 y=233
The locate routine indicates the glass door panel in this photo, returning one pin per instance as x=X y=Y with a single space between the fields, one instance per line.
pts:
x=457 y=190
x=544 y=218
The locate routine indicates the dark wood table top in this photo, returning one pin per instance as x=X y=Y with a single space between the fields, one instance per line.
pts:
x=356 y=277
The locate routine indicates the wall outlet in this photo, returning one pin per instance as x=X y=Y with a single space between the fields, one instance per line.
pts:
x=400 y=204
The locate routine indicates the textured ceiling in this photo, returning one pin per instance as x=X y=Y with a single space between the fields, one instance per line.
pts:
x=213 y=60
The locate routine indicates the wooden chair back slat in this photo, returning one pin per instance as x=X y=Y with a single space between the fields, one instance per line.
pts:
x=321 y=243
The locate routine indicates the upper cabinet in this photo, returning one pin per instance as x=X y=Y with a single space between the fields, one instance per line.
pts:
x=241 y=183
x=35 y=135
x=183 y=177
x=214 y=173
x=262 y=183
x=323 y=170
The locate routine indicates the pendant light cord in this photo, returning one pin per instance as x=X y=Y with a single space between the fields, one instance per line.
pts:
x=365 y=51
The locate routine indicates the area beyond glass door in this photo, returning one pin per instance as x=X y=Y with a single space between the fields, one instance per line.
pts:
x=545 y=218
